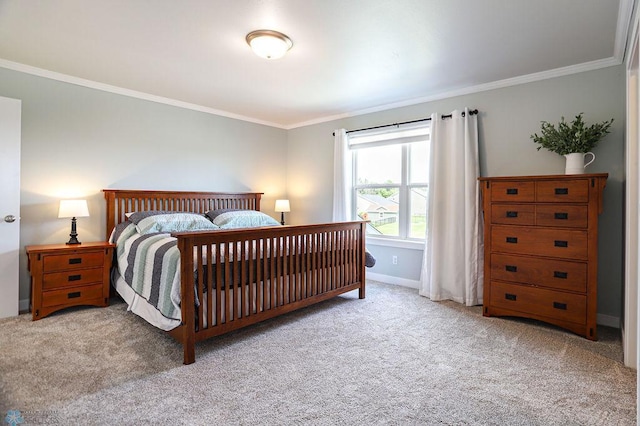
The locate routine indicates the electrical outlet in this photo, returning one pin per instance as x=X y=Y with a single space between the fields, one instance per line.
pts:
x=394 y=260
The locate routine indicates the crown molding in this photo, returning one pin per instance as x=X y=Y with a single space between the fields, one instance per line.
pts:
x=15 y=66
x=625 y=20
x=529 y=78
x=524 y=79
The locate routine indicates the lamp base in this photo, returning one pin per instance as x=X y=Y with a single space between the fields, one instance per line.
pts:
x=73 y=234
x=282 y=218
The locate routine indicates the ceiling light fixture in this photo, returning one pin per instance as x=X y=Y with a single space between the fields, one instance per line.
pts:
x=269 y=44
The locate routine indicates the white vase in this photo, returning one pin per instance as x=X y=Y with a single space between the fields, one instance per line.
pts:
x=575 y=162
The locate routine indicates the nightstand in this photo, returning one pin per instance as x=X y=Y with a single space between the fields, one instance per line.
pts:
x=65 y=275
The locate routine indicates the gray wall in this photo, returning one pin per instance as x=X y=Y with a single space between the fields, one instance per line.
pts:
x=77 y=141
x=507 y=118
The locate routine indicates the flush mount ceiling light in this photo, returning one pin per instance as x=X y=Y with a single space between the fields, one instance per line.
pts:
x=269 y=44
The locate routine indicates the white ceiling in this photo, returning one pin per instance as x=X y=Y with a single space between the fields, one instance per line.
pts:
x=349 y=56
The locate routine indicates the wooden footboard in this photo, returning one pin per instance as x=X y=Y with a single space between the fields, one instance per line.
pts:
x=246 y=276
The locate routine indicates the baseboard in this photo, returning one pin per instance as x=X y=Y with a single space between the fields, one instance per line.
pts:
x=23 y=305
x=388 y=279
x=608 y=320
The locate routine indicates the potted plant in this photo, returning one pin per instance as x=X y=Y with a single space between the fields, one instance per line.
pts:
x=573 y=140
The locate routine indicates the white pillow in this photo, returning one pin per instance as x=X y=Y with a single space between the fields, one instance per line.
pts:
x=171 y=222
x=244 y=219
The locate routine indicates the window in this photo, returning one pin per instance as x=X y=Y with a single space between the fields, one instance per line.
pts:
x=390 y=178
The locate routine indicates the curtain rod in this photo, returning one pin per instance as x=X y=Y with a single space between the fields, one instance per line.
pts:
x=472 y=112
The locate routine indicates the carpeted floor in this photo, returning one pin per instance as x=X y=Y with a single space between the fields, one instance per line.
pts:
x=392 y=358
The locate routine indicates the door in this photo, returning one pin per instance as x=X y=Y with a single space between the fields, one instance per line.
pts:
x=10 y=116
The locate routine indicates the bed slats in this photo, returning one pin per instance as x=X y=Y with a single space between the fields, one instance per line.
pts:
x=262 y=272
x=120 y=202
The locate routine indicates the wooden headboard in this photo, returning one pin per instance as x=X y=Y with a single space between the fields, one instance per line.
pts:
x=121 y=201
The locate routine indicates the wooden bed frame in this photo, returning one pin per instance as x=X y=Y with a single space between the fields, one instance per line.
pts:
x=274 y=270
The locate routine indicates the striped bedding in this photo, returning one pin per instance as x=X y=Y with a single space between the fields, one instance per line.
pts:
x=150 y=265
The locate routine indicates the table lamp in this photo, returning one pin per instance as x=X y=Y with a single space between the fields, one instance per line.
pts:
x=282 y=206
x=73 y=209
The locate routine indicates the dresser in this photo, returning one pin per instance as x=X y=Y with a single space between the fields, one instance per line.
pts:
x=65 y=275
x=541 y=248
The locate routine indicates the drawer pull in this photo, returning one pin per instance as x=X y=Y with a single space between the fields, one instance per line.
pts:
x=510 y=296
x=511 y=268
x=75 y=277
x=559 y=305
x=560 y=243
x=75 y=261
x=561 y=216
x=512 y=240
x=562 y=191
x=512 y=214
x=512 y=191
x=558 y=274
x=73 y=295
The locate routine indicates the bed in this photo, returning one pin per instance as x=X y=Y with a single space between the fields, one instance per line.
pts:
x=231 y=278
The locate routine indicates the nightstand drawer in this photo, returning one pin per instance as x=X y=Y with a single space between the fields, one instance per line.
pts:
x=71 y=278
x=562 y=215
x=551 y=273
x=532 y=300
x=72 y=296
x=63 y=262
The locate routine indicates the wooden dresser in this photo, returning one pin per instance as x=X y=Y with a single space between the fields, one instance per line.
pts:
x=65 y=275
x=541 y=248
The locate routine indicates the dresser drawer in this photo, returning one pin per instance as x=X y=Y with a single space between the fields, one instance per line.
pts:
x=550 y=273
x=72 y=296
x=562 y=243
x=72 y=278
x=513 y=214
x=62 y=262
x=538 y=301
x=562 y=215
x=562 y=191
x=513 y=191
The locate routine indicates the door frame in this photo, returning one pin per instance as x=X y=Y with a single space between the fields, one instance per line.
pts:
x=10 y=132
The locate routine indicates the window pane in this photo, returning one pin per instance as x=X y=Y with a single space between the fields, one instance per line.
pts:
x=380 y=206
x=419 y=172
x=379 y=165
x=418 y=206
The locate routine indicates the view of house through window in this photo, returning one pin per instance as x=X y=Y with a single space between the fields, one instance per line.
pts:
x=391 y=181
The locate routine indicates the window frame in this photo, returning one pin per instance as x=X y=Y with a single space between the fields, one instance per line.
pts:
x=404 y=186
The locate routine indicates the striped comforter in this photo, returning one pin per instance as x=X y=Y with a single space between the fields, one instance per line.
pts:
x=150 y=264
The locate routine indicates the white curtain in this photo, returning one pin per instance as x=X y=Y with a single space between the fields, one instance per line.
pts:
x=342 y=177
x=452 y=267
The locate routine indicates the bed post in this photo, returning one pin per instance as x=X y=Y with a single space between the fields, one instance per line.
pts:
x=110 y=196
x=188 y=335
x=363 y=251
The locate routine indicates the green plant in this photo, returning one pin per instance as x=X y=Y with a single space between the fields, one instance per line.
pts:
x=571 y=137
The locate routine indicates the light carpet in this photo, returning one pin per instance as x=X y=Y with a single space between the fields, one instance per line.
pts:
x=392 y=358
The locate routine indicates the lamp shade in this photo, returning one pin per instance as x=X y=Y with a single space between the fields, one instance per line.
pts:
x=269 y=44
x=282 y=206
x=73 y=208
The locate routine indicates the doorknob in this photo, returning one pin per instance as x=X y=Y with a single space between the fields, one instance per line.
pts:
x=9 y=218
